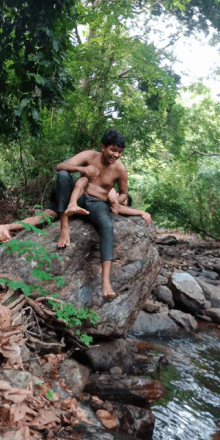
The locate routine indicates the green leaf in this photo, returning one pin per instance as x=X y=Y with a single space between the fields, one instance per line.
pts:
x=39 y=382
x=55 y=45
x=50 y=395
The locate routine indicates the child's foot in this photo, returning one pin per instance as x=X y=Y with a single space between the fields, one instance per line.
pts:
x=64 y=239
x=75 y=209
x=107 y=290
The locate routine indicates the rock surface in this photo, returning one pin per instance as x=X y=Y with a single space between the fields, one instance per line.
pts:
x=108 y=354
x=138 y=421
x=212 y=293
x=164 y=294
x=185 y=320
x=186 y=292
x=154 y=325
x=75 y=375
x=134 y=270
x=214 y=313
x=125 y=389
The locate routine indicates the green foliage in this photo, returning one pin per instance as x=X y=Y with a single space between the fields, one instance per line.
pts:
x=34 y=39
x=73 y=316
x=50 y=395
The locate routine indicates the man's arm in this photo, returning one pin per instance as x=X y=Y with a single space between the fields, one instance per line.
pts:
x=122 y=182
x=77 y=163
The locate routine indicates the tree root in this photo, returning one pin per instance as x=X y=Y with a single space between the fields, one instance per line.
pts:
x=35 y=314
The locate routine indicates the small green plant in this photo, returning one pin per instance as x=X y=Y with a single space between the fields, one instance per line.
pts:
x=50 y=395
x=42 y=271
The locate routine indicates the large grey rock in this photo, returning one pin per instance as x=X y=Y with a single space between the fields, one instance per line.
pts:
x=134 y=270
x=138 y=421
x=214 y=313
x=186 y=292
x=211 y=292
x=125 y=389
x=185 y=320
x=153 y=324
x=17 y=378
x=209 y=274
x=75 y=375
x=164 y=294
x=109 y=354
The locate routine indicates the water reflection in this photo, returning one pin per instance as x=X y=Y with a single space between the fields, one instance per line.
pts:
x=190 y=408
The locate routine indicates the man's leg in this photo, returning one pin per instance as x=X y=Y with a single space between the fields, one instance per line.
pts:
x=6 y=230
x=99 y=214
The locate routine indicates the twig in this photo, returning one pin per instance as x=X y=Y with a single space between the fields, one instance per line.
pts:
x=37 y=309
x=203 y=154
x=46 y=344
x=16 y=318
x=17 y=301
x=18 y=307
x=7 y=295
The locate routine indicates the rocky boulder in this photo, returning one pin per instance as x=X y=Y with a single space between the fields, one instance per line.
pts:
x=187 y=293
x=156 y=324
x=185 y=320
x=134 y=270
x=141 y=391
x=212 y=293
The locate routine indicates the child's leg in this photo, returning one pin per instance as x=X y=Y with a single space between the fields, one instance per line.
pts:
x=73 y=208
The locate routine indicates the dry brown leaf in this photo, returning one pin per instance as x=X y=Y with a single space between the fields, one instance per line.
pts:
x=44 y=419
x=15 y=395
x=69 y=404
x=5 y=317
x=17 y=412
x=21 y=434
x=81 y=414
x=108 y=419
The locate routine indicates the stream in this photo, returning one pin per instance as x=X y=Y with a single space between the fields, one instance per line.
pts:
x=190 y=407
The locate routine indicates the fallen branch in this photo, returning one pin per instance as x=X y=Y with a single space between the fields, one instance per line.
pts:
x=46 y=344
x=203 y=154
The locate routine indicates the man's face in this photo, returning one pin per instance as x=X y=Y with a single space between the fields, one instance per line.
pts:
x=111 y=153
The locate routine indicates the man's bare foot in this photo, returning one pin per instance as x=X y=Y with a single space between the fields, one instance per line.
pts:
x=64 y=239
x=75 y=209
x=4 y=233
x=147 y=218
x=107 y=290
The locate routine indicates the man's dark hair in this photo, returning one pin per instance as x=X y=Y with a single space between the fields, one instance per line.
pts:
x=113 y=137
x=129 y=200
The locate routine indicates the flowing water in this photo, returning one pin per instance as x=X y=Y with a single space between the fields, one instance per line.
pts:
x=190 y=407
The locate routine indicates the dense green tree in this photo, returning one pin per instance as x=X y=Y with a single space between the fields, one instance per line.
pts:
x=34 y=39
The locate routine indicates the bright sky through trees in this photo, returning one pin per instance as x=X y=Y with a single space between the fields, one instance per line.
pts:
x=195 y=58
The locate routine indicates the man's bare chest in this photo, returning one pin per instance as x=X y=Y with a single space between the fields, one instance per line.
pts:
x=106 y=177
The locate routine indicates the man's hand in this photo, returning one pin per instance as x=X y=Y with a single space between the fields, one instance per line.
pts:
x=90 y=172
x=114 y=208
